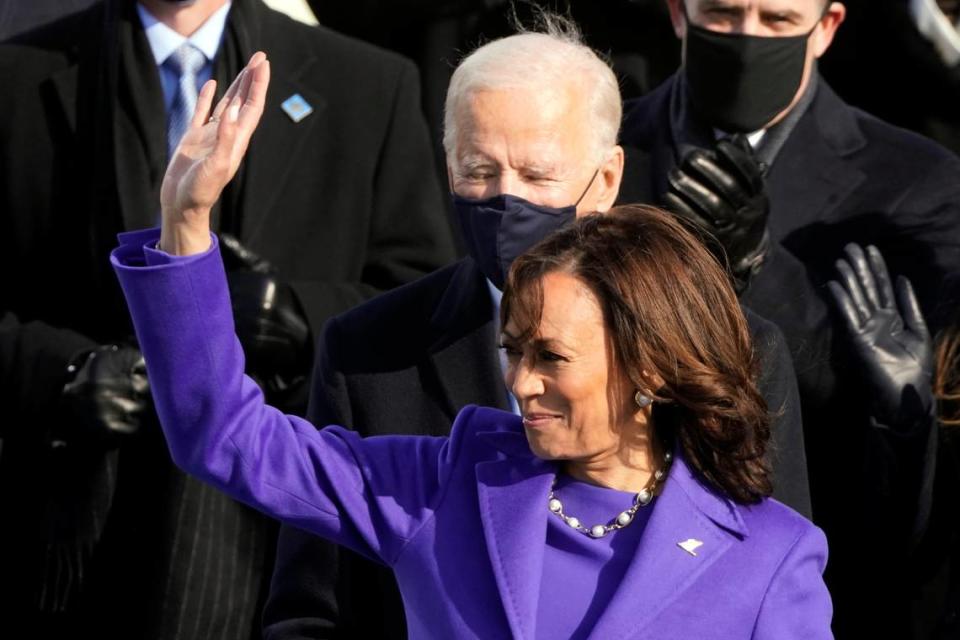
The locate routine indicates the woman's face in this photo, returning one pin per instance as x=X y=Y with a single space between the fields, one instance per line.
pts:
x=574 y=404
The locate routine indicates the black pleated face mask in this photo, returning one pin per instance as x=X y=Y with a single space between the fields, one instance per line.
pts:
x=738 y=83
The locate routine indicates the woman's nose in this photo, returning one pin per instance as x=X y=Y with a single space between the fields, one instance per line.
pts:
x=527 y=383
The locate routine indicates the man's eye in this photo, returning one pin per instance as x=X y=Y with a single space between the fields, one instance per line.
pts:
x=538 y=178
x=479 y=174
x=550 y=356
x=778 y=19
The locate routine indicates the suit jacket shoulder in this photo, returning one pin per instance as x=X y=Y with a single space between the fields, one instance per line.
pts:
x=400 y=327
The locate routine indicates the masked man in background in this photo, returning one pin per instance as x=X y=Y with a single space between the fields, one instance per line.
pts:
x=750 y=143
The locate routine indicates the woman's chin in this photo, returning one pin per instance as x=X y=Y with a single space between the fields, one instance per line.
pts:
x=543 y=446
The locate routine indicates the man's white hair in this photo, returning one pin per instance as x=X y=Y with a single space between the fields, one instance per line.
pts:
x=551 y=55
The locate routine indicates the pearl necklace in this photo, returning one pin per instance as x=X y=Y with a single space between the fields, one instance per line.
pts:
x=642 y=499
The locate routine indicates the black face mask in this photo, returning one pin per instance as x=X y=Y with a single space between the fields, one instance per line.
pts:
x=497 y=230
x=738 y=83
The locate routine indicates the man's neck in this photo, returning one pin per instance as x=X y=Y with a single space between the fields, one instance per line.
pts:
x=185 y=19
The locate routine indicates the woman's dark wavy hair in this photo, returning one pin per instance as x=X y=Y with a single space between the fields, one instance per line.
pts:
x=946 y=376
x=670 y=311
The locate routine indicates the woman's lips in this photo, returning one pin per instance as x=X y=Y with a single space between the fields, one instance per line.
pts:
x=536 y=420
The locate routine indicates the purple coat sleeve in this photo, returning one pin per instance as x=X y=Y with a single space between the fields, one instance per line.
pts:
x=356 y=492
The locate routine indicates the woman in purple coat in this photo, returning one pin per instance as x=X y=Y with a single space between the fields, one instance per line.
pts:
x=628 y=500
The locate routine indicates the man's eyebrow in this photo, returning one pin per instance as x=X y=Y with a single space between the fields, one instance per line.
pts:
x=476 y=160
x=790 y=14
x=721 y=4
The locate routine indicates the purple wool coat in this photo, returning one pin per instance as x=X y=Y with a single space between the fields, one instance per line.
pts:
x=462 y=519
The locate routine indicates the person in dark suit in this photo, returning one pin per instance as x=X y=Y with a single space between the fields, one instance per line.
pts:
x=900 y=61
x=814 y=175
x=427 y=349
x=334 y=203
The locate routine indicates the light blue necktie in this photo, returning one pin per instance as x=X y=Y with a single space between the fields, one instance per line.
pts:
x=186 y=62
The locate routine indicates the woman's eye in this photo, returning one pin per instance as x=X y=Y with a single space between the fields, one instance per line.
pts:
x=512 y=352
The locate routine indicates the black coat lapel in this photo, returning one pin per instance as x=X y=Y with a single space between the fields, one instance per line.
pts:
x=811 y=175
x=275 y=146
x=464 y=355
x=140 y=153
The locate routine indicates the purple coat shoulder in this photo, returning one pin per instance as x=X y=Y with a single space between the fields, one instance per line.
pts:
x=461 y=520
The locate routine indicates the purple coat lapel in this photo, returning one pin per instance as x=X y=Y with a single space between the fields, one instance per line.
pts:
x=662 y=570
x=512 y=496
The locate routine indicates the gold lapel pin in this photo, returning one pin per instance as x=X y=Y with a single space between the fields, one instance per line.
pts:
x=690 y=545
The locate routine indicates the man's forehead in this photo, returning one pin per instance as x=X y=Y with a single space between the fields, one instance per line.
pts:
x=802 y=7
x=529 y=130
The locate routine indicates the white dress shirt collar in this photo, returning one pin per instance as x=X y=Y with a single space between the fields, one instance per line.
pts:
x=753 y=138
x=164 y=40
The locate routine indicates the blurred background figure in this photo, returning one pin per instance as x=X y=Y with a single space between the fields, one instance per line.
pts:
x=20 y=17
x=900 y=60
x=336 y=201
x=910 y=383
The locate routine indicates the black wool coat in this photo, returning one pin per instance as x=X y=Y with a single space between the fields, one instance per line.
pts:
x=344 y=203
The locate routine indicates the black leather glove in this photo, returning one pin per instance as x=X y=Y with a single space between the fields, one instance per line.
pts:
x=721 y=190
x=269 y=321
x=888 y=335
x=106 y=398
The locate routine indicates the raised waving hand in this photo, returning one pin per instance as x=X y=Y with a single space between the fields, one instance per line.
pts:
x=888 y=335
x=208 y=156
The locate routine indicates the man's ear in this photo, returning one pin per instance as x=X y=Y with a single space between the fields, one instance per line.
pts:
x=829 y=23
x=677 y=18
x=609 y=178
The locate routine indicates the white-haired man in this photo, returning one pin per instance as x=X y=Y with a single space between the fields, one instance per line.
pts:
x=531 y=125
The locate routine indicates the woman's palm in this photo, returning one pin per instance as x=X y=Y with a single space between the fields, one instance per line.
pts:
x=211 y=149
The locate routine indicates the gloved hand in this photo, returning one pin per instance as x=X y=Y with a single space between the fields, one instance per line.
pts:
x=888 y=335
x=107 y=397
x=721 y=190
x=270 y=324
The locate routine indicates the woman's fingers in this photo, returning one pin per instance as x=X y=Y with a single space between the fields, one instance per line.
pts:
x=228 y=96
x=222 y=156
x=204 y=101
x=237 y=87
x=255 y=96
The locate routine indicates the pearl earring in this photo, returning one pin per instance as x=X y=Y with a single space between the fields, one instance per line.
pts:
x=643 y=401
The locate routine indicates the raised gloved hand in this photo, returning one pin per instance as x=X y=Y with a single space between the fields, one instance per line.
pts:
x=721 y=190
x=269 y=321
x=107 y=398
x=888 y=335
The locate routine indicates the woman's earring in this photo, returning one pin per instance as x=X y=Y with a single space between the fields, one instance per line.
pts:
x=642 y=400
